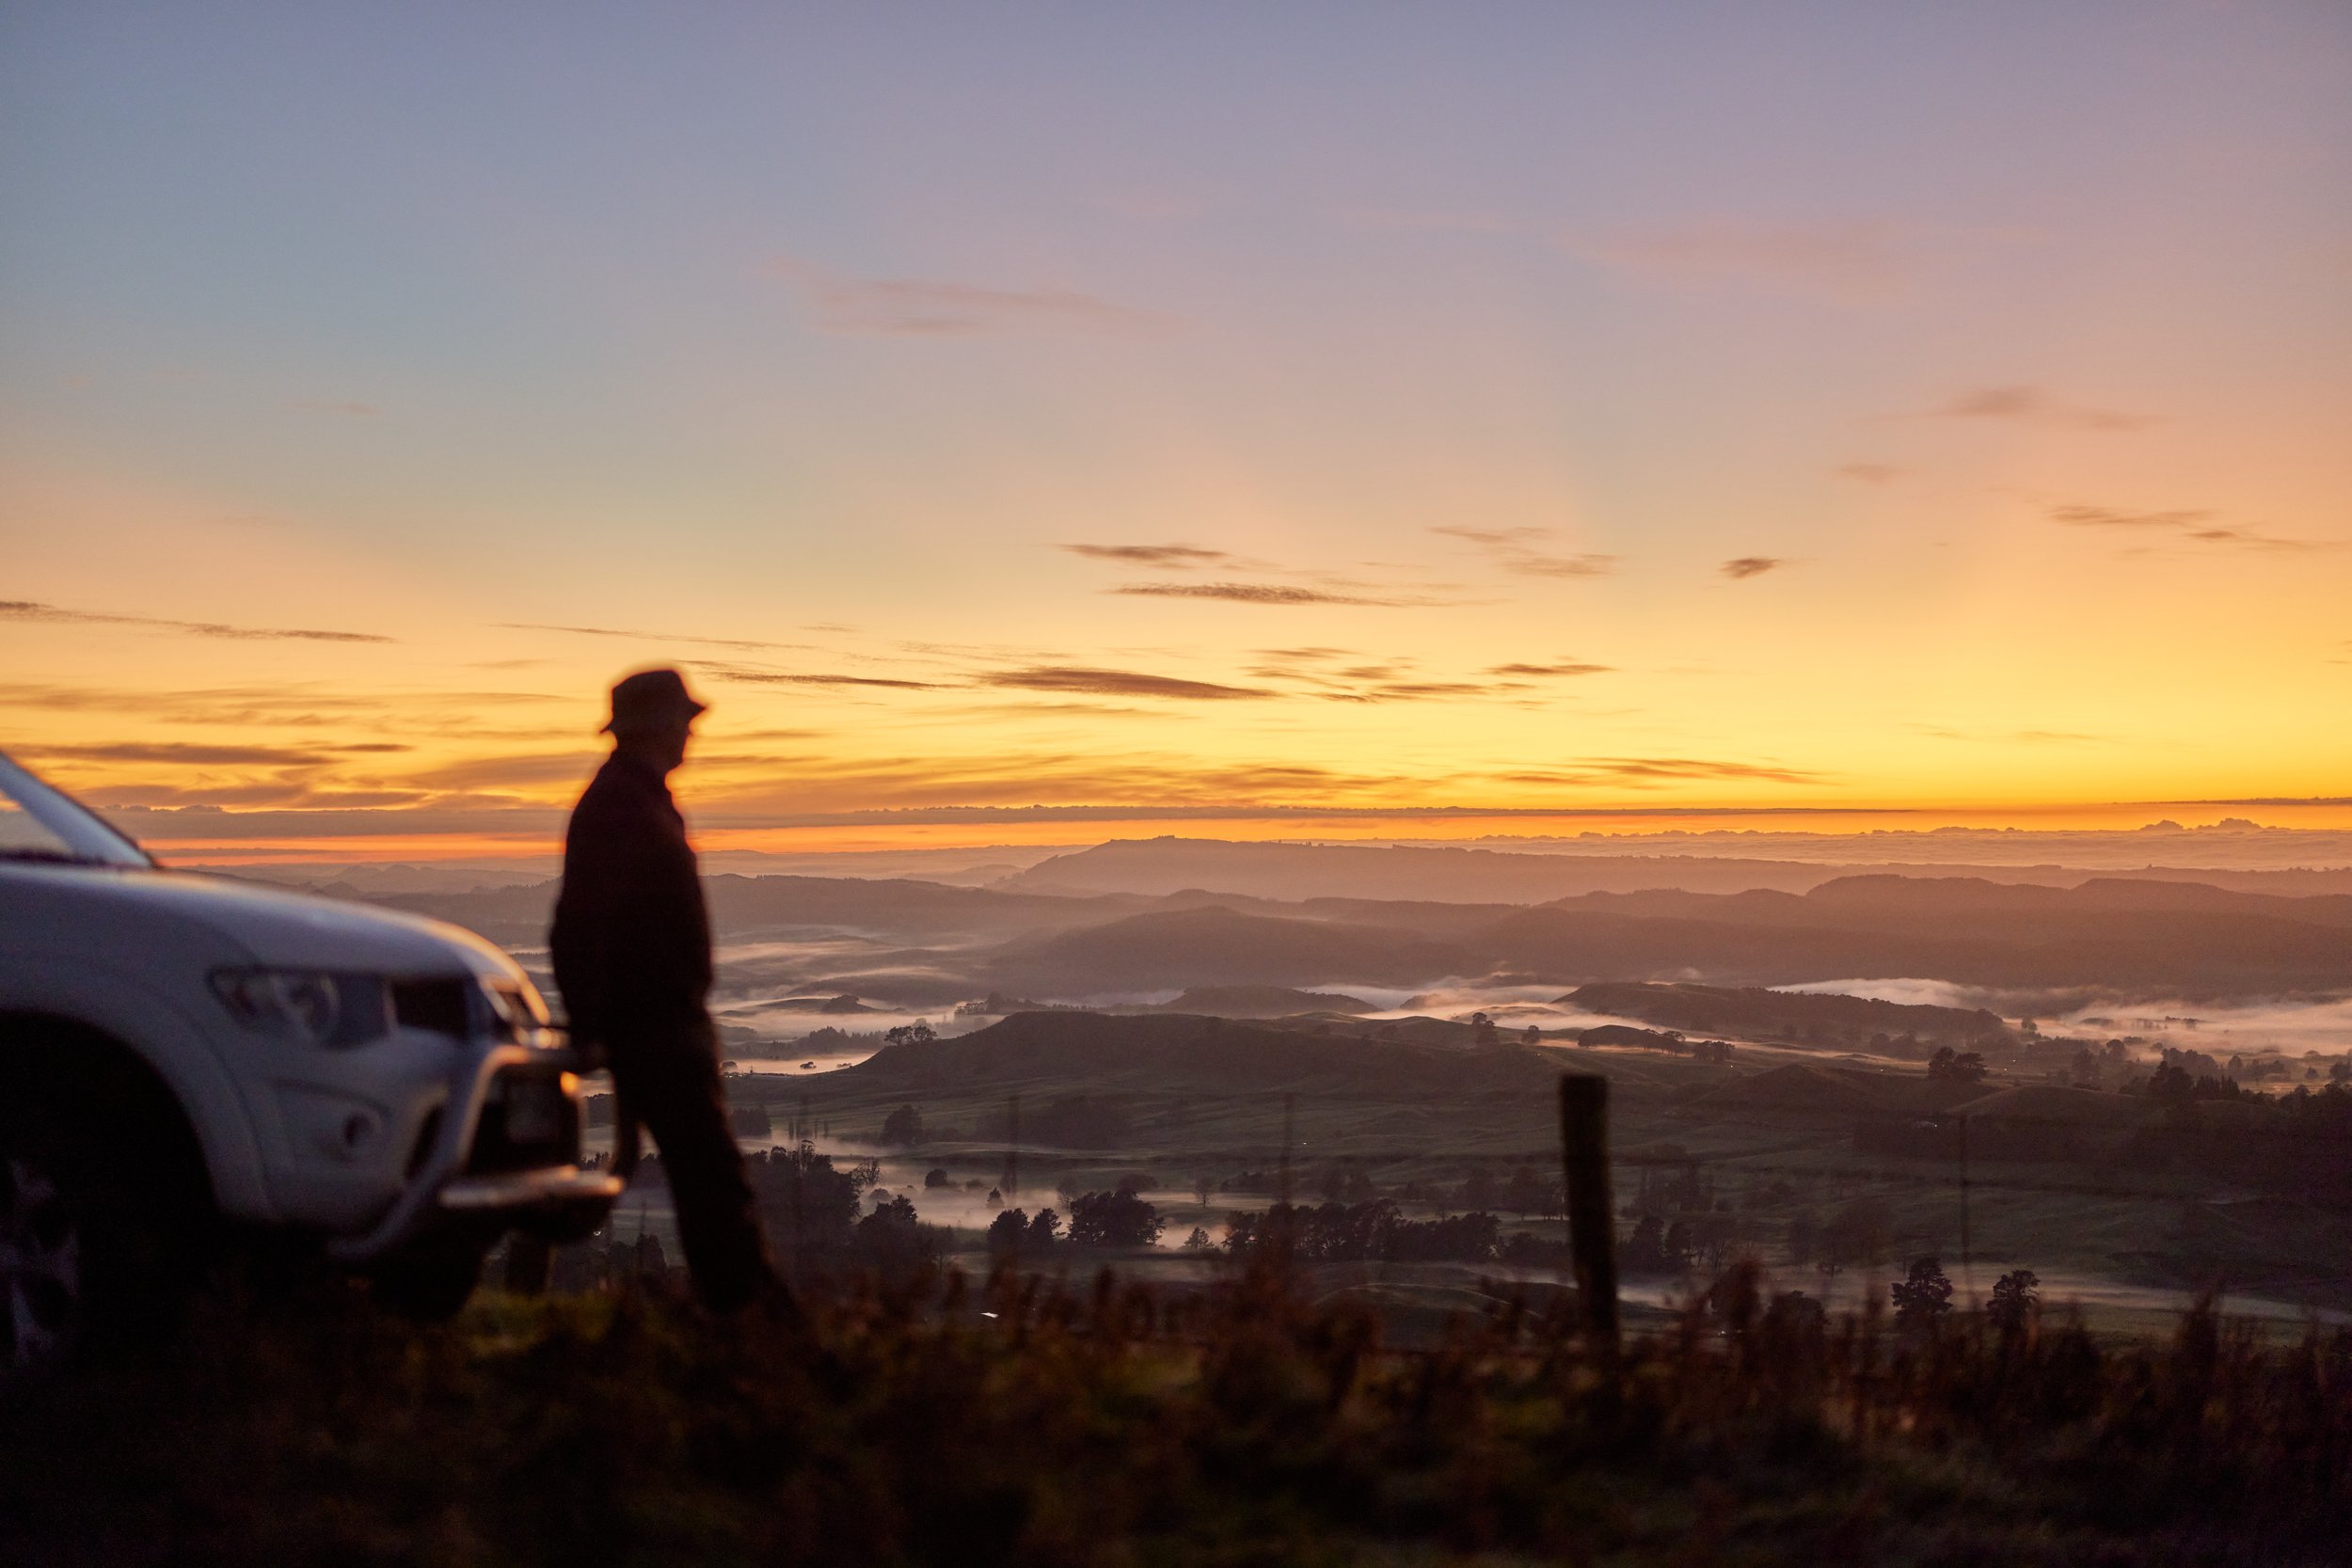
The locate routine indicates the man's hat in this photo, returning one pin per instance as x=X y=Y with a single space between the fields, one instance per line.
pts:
x=651 y=697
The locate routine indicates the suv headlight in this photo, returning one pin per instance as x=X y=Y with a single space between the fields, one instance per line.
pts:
x=314 y=1006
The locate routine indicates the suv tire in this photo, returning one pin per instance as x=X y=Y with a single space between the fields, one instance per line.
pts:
x=41 y=1264
x=102 y=1237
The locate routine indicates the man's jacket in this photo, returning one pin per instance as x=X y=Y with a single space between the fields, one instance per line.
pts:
x=632 y=941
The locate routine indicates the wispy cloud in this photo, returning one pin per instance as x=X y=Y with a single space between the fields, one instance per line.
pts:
x=1167 y=557
x=2248 y=539
x=1514 y=550
x=1844 y=257
x=1049 y=710
x=1636 y=771
x=2029 y=404
x=1405 y=691
x=645 y=635
x=1565 y=667
x=753 y=675
x=294 y=704
x=1266 y=593
x=1695 y=767
x=1305 y=656
x=2027 y=737
x=2184 y=524
x=1872 y=474
x=192 y=754
x=916 y=307
x=1753 y=565
x=22 y=610
x=2109 y=516
x=1116 y=683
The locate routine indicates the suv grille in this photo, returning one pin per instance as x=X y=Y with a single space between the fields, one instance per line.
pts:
x=441 y=1005
x=528 y=1123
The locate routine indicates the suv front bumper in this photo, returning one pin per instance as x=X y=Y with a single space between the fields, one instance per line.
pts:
x=471 y=1174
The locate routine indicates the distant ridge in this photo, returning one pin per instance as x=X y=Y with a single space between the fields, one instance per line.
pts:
x=1217 y=946
x=1158 y=866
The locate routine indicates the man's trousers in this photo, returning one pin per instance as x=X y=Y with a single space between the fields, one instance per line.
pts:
x=667 y=1078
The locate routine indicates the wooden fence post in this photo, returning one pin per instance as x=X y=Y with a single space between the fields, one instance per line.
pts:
x=1592 y=1222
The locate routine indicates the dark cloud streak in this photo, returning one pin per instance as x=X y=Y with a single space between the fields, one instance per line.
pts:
x=25 y=610
x=1565 y=667
x=1168 y=556
x=1116 y=683
x=1512 y=550
x=645 y=635
x=1264 y=593
x=2184 y=524
x=2024 y=402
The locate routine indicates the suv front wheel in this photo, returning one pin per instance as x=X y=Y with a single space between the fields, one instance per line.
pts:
x=41 y=1265
x=106 y=1221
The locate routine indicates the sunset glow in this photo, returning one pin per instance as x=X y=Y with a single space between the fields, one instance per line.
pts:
x=1905 y=421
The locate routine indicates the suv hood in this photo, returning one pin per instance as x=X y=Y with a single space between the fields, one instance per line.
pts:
x=276 y=926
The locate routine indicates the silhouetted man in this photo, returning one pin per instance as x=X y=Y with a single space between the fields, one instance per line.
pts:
x=633 y=956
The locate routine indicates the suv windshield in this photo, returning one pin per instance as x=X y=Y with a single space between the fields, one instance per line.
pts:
x=39 y=823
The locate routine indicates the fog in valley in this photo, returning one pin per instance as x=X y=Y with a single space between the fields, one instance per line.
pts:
x=2087 y=1061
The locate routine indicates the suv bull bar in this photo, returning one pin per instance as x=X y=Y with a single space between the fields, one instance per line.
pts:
x=442 y=1191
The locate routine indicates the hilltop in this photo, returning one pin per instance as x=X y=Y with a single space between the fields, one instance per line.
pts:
x=1217 y=945
x=1848 y=1023
x=1177 y=1051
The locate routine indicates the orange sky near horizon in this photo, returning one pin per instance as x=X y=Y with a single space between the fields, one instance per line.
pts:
x=1569 y=414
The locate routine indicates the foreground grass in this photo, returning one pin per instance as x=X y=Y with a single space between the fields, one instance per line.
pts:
x=1121 y=1427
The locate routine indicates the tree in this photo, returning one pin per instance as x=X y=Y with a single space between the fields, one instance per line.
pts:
x=2015 y=1300
x=1796 y=1316
x=1006 y=1233
x=1858 y=1234
x=1524 y=1194
x=903 y=1126
x=1198 y=1240
x=1956 y=1066
x=1044 y=1230
x=1533 y=1037
x=1923 y=1296
x=1116 y=1219
x=892 y=1239
x=1646 y=1251
x=1334 y=1187
x=1483 y=1030
x=937 y=1176
x=917 y=1033
x=1479 y=1192
x=2340 y=1070
x=808 y=1207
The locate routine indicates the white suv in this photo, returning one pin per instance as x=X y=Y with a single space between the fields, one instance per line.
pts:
x=187 y=1060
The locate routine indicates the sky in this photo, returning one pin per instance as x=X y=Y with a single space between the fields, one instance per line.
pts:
x=1034 y=422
